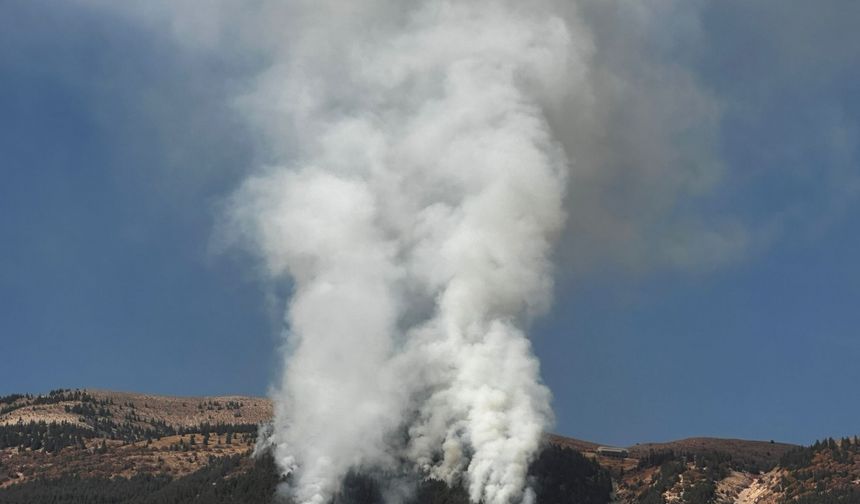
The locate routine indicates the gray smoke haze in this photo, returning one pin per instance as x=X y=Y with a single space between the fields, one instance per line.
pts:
x=637 y=123
x=423 y=159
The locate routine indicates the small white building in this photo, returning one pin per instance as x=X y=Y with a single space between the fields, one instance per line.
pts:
x=611 y=451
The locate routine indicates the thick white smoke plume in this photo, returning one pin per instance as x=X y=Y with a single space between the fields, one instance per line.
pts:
x=419 y=157
x=417 y=224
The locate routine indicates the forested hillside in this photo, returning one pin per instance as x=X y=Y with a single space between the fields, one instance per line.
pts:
x=83 y=446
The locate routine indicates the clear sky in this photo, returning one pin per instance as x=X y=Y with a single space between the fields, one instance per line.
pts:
x=118 y=145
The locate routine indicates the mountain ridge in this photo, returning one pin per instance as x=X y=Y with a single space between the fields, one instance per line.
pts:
x=264 y=406
x=97 y=435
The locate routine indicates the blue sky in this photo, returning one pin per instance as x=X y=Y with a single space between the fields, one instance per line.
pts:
x=117 y=146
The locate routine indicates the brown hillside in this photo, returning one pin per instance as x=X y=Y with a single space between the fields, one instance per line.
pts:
x=106 y=434
x=763 y=453
x=99 y=433
x=572 y=443
x=141 y=409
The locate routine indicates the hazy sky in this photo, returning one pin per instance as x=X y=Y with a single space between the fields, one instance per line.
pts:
x=728 y=310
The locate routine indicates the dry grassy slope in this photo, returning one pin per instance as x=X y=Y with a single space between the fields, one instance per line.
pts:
x=175 y=411
x=739 y=487
x=105 y=457
x=572 y=443
x=762 y=451
x=118 y=458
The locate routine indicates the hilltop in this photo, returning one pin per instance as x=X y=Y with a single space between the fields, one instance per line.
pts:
x=98 y=433
x=141 y=410
x=69 y=445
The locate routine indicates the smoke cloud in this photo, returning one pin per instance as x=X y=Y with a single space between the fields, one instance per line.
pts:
x=422 y=158
x=417 y=225
x=637 y=122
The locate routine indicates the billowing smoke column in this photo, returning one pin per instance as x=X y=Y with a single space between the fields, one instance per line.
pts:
x=415 y=218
